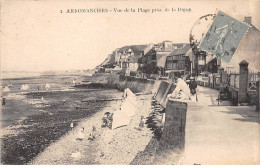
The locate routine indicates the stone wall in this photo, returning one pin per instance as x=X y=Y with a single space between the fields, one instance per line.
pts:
x=116 y=81
x=171 y=145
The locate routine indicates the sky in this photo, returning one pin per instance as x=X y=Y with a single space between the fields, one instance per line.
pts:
x=35 y=36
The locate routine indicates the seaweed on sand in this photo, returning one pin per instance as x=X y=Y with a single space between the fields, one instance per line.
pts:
x=40 y=130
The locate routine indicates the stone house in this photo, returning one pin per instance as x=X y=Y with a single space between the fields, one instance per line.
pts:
x=131 y=57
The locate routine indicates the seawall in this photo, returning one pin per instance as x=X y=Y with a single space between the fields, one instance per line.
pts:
x=116 y=81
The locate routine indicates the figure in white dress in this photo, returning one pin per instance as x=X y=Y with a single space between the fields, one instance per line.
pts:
x=182 y=90
x=47 y=86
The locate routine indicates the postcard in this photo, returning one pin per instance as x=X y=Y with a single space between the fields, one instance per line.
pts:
x=130 y=82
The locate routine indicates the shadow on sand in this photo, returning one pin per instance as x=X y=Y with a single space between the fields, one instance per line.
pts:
x=146 y=156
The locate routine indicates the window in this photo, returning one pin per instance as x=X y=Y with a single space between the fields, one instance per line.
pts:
x=169 y=58
x=174 y=65
x=169 y=65
x=201 y=57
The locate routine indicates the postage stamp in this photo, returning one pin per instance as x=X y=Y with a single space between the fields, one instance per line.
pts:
x=223 y=36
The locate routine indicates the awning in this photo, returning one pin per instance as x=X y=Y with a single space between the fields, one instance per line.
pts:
x=169 y=71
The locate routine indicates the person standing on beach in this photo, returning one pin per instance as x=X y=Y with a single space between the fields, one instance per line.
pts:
x=182 y=90
x=3 y=100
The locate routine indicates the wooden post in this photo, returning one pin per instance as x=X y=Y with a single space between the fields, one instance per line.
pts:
x=221 y=72
x=243 y=82
x=214 y=81
x=191 y=66
x=258 y=93
x=258 y=96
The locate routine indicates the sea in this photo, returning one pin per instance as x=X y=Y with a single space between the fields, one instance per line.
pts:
x=18 y=74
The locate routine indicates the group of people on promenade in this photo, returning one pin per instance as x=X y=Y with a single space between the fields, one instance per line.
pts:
x=184 y=89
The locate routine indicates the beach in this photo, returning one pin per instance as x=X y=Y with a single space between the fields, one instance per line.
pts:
x=121 y=146
x=33 y=119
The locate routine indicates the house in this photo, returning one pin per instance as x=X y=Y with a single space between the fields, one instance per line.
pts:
x=164 y=46
x=177 y=61
x=161 y=50
x=248 y=50
x=212 y=66
x=129 y=64
x=198 y=60
x=164 y=49
x=131 y=57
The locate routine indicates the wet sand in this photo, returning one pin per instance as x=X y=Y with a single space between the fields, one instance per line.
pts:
x=124 y=145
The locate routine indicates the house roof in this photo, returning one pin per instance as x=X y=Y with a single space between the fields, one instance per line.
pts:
x=161 y=61
x=150 y=52
x=161 y=54
x=180 y=51
x=254 y=28
x=179 y=45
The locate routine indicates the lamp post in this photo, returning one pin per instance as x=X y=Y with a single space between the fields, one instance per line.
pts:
x=196 y=37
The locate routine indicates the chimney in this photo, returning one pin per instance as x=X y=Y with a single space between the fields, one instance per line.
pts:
x=248 y=19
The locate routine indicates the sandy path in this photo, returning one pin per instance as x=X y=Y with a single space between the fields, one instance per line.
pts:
x=118 y=146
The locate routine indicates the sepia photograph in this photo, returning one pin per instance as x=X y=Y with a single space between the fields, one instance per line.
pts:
x=95 y=82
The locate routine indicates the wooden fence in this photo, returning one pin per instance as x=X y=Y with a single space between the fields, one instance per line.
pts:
x=234 y=80
x=231 y=80
x=252 y=81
